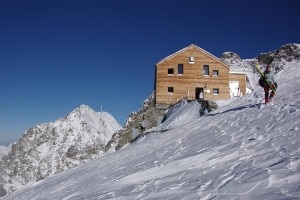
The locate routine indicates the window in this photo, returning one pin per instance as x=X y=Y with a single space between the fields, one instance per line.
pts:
x=215 y=72
x=180 y=68
x=216 y=91
x=170 y=89
x=205 y=69
x=191 y=60
x=170 y=71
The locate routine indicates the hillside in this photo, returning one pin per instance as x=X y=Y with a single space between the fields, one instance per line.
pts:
x=240 y=151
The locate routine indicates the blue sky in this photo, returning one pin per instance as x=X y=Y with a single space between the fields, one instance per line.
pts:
x=56 y=55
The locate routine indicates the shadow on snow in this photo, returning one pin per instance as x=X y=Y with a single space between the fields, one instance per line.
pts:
x=235 y=109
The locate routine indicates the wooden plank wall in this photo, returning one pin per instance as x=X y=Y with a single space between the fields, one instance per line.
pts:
x=192 y=77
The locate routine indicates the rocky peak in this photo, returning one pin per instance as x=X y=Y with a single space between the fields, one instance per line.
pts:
x=287 y=52
x=84 y=109
x=230 y=58
x=53 y=147
x=78 y=112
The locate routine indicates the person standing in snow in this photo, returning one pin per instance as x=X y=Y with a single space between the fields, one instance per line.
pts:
x=269 y=77
x=201 y=96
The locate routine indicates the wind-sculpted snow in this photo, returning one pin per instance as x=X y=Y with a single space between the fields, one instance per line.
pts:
x=240 y=151
x=181 y=113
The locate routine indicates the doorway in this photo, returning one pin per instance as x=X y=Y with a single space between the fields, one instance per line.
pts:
x=198 y=91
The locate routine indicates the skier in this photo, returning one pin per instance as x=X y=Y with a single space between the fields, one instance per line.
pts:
x=270 y=84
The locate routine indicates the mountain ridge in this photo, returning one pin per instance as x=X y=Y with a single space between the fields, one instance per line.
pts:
x=53 y=147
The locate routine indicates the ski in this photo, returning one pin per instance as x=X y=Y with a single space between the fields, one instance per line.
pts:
x=263 y=75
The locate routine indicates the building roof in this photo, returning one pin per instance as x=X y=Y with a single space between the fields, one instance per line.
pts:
x=198 y=48
x=236 y=72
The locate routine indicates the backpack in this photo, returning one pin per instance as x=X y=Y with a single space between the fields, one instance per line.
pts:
x=262 y=81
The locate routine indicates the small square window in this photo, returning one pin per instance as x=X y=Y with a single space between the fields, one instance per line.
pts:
x=205 y=69
x=216 y=91
x=215 y=72
x=180 y=68
x=170 y=89
x=170 y=71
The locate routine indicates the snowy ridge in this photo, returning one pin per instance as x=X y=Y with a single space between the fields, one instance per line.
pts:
x=180 y=114
x=240 y=151
x=54 y=147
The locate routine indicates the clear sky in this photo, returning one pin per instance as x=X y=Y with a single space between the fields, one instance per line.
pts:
x=56 y=55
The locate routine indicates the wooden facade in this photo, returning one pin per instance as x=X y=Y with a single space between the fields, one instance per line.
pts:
x=190 y=71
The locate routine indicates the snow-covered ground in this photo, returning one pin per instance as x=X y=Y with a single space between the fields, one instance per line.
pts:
x=4 y=151
x=240 y=151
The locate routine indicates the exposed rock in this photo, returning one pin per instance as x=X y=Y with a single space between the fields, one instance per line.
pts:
x=148 y=114
x=287 y=52
x=2 y=191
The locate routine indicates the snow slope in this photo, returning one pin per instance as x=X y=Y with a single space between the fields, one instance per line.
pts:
x=240 y=151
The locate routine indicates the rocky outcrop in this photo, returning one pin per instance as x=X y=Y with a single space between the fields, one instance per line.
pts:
x=147 y=117
x=287 y=52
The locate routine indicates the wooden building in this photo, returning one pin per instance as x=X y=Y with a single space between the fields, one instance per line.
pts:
x=193 y=73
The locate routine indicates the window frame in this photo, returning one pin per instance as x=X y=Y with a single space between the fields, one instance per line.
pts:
x=204 y=71
x=215 y=70
x=180 y=66
x=170 y=71
x=191 y=60
x=217 y=90
x=170 y=90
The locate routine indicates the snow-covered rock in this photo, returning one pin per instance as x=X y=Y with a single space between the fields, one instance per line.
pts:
x=4 y=151
x=49 y=148
x=287 y=52
x=231 y=58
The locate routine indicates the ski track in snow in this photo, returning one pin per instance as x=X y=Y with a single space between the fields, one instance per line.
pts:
x=240 y=151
